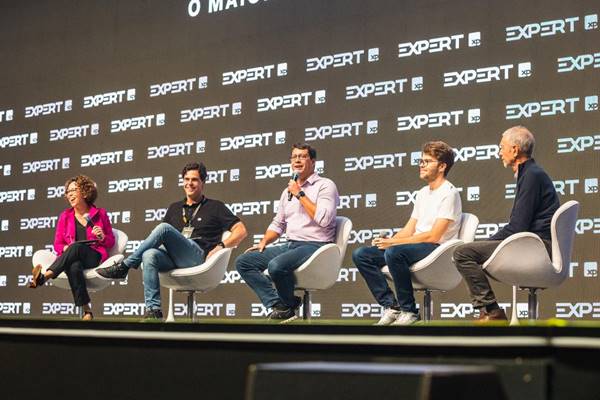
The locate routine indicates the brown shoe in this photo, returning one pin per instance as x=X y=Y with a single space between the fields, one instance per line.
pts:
x=494 y=315
x=87 y=316
x=38 y=277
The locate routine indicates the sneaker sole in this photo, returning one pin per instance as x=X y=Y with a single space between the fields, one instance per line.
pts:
x=287 y=321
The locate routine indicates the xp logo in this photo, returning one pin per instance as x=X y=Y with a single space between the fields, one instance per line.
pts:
x=22 y=139
x=253 y=74
x=6 y=115
x=74 y=132
x=380 y=161
x=473 y=193
x=175 y=149
x=591 y=103
x=546 y=28
x=340 y=60
x=181 y=86
x=591 y=185
x=578 y=144
x=109 y=158
x=251 y=140
x=48 y=108
x=9 y=308
x=591 y=22
x=290 y=100
x=353 y=201
x=46 y=165
x=109 y=98
x=436 y=45
x=578 y=63
x=578 y=310
x=4 y=225
x=590 y=269
x=135 y=184
x=485 y=74
x=437 y=120
x=136 y=123
x=6 y=169
x=3 y=281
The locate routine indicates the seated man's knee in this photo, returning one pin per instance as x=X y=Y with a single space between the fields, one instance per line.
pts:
x=462 y=253
x=358 y=255
x=244 y=263
x=150 y=258
x=276 y=270
x=394 y=254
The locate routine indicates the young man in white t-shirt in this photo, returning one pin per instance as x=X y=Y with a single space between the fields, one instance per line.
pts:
x=434 y=220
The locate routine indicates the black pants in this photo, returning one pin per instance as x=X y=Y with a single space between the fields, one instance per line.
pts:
x=469 y=259
x=72 y=262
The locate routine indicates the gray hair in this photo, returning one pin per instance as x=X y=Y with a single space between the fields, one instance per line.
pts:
x=521 y=137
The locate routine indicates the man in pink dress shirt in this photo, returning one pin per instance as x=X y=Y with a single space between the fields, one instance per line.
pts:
x=306 y=214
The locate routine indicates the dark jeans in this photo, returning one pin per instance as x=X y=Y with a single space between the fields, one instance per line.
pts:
x=72 y=262
x=370 y=260
x=281 y=262
x=469 y=258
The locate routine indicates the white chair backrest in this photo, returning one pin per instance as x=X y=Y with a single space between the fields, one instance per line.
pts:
x=342 y=233
x=562 y=229
x=468 y=227
x=120 y=243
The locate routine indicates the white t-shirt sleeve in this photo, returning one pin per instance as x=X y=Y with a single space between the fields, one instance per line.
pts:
x=450 y=207
x=416 y=212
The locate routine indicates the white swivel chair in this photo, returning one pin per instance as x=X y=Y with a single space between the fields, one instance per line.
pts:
x=93 y=281
x=522 y=260
x=321 y=270
x=201 y=278
x=437 y=270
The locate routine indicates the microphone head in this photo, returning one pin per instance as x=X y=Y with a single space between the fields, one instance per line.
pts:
x=295 y=176
x=88 y=219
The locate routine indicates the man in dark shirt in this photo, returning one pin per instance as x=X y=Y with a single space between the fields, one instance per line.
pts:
x=190 y=232
x=534 y=205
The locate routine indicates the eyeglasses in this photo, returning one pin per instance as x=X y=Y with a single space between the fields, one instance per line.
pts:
x=72 y=191
x=299 y=157
x=424 y=163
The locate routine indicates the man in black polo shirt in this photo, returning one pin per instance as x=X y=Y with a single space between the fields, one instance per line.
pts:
x=535 y=204
x=190 y=232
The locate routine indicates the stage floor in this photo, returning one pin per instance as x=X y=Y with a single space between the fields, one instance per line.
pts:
x=545 y=360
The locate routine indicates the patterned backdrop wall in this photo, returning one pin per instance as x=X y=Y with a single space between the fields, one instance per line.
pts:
x=128 y=92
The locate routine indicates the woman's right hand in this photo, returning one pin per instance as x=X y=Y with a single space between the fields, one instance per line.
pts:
x=65 y=248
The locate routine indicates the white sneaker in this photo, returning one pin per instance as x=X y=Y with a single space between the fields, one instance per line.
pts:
x=406 y=318
x=389 y=315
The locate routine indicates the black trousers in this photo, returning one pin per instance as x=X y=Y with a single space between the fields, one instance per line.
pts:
x=72 y=262
x=469 y=259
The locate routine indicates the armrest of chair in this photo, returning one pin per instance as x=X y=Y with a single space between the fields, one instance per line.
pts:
x=446 y=248
x=220 y=258
x=321 y=270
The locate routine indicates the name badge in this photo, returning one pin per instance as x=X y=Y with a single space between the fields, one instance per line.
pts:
x=187 y=231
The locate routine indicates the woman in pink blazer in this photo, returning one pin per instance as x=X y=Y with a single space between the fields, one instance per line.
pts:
x=83 y=238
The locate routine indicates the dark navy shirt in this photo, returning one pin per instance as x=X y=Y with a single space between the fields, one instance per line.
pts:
x=535 y=203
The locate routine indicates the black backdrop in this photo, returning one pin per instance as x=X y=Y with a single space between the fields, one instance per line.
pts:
x=365 y=82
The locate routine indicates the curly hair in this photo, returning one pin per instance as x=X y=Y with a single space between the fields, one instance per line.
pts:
x=86 y=186
x=441 y=152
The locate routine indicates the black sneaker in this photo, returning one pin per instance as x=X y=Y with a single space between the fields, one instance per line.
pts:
x=116 y=271
x=285 y=316
x=153 y=315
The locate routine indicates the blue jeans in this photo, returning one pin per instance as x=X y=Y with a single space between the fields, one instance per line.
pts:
x=163 y=250
x=281 y=262
x=370 y=260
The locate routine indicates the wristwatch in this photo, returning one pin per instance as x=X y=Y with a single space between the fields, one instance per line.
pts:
x=300 y=194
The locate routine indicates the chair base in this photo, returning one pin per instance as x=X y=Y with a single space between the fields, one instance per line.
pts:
x=306 y=306
x=191 y=303
x=427 y=305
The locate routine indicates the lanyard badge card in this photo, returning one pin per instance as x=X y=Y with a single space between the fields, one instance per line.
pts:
x=188 y=229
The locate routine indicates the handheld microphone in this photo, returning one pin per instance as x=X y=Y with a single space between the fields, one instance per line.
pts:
x=294 y=178
x=88 y=220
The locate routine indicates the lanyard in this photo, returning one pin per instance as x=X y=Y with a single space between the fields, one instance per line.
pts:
x=185 y=220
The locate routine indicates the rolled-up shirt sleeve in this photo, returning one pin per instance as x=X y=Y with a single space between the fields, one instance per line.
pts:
x=327 y=202
x=279 y=223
